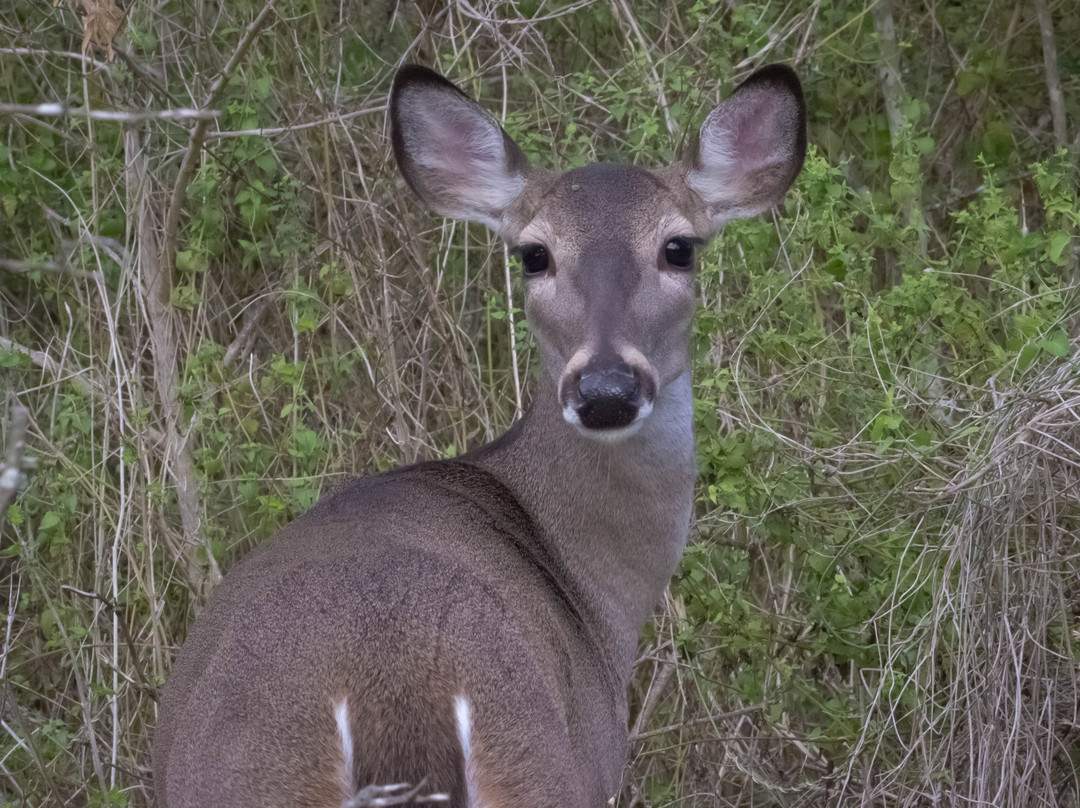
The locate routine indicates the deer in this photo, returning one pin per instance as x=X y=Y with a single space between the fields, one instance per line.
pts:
x=462 y=632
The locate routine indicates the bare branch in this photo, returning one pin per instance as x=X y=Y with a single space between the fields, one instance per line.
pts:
x=18 y=267
x=155 y=287
x=395 y=794
x=11 y=470
x=1053 y=78
x=79 y=379
x=129 y=641
x=195 y=143
x=239 y=346
x=284 y=130
x=82 y=57
x=892 y=89
x=156 y=261
x=47 y=363
x=59 y=110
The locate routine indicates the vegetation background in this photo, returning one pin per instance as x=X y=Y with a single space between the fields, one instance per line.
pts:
x=207 y=317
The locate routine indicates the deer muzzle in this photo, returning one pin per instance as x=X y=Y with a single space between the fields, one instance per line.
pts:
x=608 y=397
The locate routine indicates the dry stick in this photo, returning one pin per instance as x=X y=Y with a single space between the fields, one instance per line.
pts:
x=157 y=275
x=661 y=96
x=82 y=57
x=56 y=109
x=155 y=293
x=285 y=130
x=46 y=363
x=892 y=88
x=17 y=267
x=1053 y=78
x=518 y=410
x=80 y=379
x=656 y=689
x=238 y=349
x=195 y=142
x=705 y=719
x=11 y=469
x=394 y=794
x=125 y=632
x=1057 y=98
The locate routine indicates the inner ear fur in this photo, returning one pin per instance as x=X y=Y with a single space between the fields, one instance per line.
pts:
x=451 y=151
x=750 y=147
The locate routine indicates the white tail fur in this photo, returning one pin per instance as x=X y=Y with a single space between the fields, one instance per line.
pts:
x=463 y=718
x=341 y=716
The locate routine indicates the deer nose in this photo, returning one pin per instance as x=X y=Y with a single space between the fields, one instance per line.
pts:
x=608 y=396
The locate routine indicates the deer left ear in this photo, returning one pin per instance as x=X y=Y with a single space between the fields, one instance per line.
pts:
x=453 y=154
x=751 y=147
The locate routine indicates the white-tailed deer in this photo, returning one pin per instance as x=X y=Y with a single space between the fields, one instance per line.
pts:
x=470 y=625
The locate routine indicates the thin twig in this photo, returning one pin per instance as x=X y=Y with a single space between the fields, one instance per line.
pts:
x=892 y=89
x=646 y=54
x=656 y=689
x=59 y=110
x=11 y=471
x=81 y=379
x=17 y=267
x=239 y=346
x=87 y=59
x=129 y=641
x=155 y=287
x=195 y=143
x=284 y=130
x=390 y=795
x=156 y=266
x=705 y=719
x=1053 y=77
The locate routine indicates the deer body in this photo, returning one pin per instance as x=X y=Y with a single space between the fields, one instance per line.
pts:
x=471 y=624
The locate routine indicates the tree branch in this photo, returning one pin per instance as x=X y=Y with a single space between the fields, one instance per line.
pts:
x=892 y=89
x=11 y=469
x=59 y=110
x=1053 y=78
x=195 y=143
x=160 y=318
x=81 y=379
x=156 y=263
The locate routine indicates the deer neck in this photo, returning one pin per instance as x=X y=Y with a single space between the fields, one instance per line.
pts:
x=613 y=515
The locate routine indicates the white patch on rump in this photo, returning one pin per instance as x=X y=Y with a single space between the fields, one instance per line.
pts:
x=341 y=716
x=463 y=719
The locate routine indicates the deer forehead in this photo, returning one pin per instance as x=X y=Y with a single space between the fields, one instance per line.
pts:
x=604 y=206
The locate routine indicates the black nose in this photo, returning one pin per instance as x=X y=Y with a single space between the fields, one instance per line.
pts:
x=608 y=396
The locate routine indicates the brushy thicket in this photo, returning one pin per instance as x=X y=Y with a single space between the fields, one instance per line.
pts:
x=203 y=325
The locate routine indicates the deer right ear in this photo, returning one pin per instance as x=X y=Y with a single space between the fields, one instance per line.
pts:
x=453 y=153
x=751 y=147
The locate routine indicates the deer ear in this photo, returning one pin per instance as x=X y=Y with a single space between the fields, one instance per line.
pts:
x=751 y=147
x=453 y=153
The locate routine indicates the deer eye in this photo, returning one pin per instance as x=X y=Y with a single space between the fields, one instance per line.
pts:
x=534 y=259
x=679 y=252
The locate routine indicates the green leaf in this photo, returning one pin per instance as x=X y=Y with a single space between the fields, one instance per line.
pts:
x=968 y=80
x=266 y=162
x=1058 y=242
x=1057 y=344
